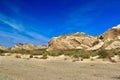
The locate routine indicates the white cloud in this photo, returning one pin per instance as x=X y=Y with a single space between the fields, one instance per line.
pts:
x=19 y=27
x=11 y=22
x=37 y=36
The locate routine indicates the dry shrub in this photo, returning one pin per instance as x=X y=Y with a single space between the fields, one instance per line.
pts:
x=65 y=58
x=73 y=60
x=31 y=56
x=43 y=57
x=91 y=59
x=18 y=56
x=36 y=57
x=81 y=59
x=112 y=60
x=9 y=54
x=2 y=54
x=117 y=77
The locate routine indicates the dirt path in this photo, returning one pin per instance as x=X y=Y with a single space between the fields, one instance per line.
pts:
x=35 y=69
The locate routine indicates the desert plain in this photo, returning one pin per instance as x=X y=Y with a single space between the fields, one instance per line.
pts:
x=56 y=68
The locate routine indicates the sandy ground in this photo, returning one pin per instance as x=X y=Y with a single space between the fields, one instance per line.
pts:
x=12 y=68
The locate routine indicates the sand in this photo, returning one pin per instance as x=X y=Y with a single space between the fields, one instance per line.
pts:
x=54 y=68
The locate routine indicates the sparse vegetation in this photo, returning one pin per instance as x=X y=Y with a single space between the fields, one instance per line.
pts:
x=75 y=53
x=85 y=55
x=2 y=51
x=103 y=54
x=32 y=52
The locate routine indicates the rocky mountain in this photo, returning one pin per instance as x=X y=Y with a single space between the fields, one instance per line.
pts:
x=108 y=40
x=3 y=48
x=112 y=34
x=21 y=46
x=74 y=41
x=112 y=38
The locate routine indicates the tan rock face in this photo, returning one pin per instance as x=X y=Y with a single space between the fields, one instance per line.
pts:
x=40 y=47
x=97 y=46
x=113 y=45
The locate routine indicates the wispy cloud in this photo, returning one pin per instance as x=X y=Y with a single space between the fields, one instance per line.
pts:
x=17 y=36
x=11 y=22
x=37 y=36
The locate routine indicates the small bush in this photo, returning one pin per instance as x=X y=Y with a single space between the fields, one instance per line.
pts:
x=117 y=77
x=43 y=57
x=71 y=52
x=65 y=58
x=36 y=57
x=56 y=53
x=18 y=56
x=93 y=53
x=3 y=51
x=76 y=55
x=2 y=54
x=31 y=56
x=103 y=54
x=85 y=55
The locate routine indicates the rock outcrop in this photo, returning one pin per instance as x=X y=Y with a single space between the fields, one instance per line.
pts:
x=112 y=34
x=73 y=41
x=107 y=40
x=21 y=46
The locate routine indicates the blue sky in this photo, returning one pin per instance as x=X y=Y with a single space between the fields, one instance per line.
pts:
x=37 y=21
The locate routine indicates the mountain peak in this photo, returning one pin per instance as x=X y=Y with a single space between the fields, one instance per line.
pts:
x=116 y=27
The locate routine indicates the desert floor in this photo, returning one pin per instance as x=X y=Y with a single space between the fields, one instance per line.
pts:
x=12 y=68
